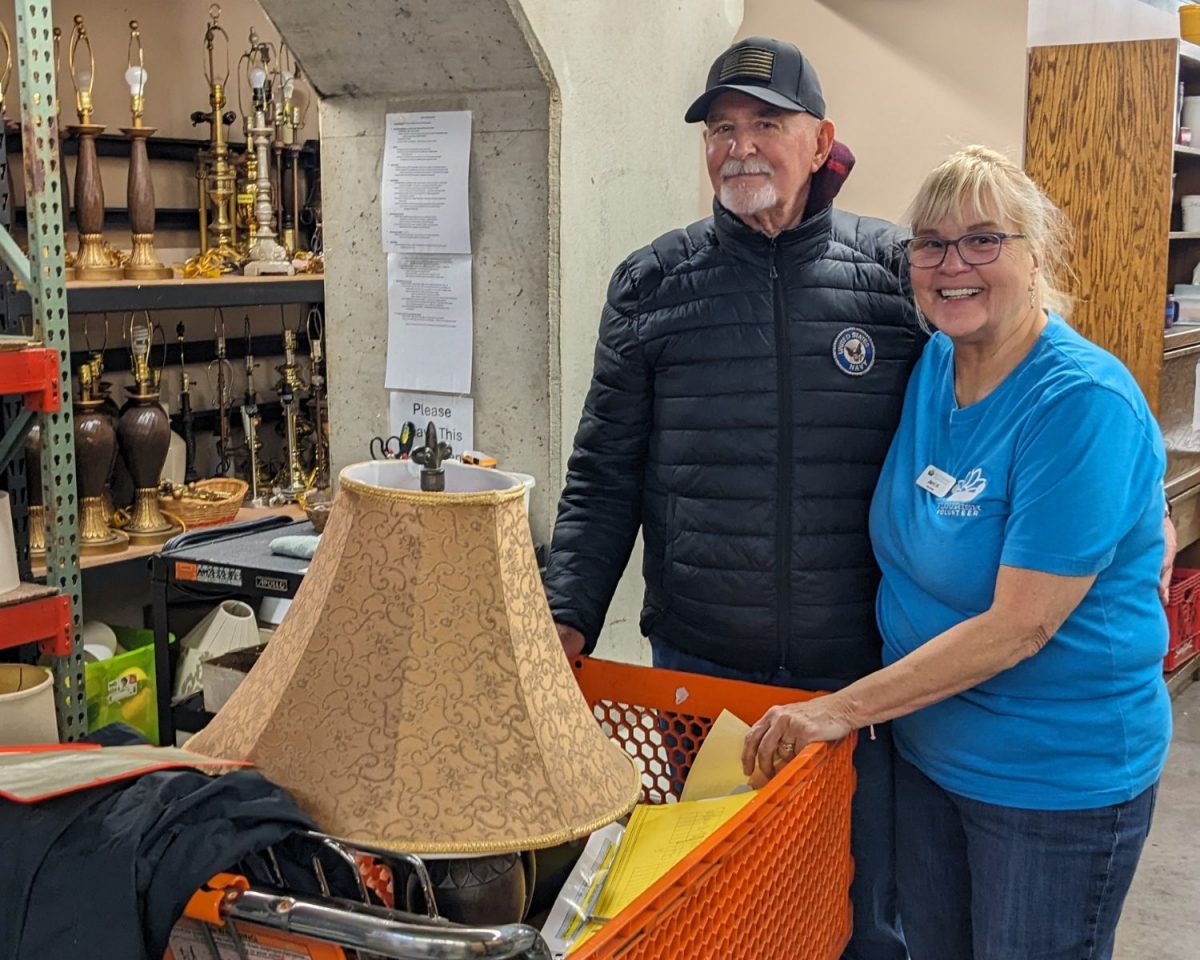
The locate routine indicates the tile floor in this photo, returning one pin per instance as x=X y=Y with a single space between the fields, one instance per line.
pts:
x=1162 y=915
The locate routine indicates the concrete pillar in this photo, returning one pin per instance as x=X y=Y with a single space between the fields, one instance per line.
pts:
x=579 y=156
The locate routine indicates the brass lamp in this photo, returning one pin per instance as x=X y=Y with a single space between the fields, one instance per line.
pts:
x=144 y=433
x=220 y=178
x=92 y=262
x=143 y=262
x=416 y=696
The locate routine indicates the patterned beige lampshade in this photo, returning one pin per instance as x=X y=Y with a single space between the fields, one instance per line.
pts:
x=416 y=695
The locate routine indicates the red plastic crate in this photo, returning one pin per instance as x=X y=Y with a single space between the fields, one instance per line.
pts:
x=1183 y=617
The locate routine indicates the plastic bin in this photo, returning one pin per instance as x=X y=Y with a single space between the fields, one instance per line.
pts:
x=1183 y=617
x=122 y=689
x=773 y=883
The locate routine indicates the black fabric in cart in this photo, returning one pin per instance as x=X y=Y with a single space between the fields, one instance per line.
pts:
x=105 y=873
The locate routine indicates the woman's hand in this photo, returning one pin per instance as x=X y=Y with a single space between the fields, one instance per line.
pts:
x=785 y=730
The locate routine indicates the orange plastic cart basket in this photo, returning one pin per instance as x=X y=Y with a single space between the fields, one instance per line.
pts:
x=773 y=883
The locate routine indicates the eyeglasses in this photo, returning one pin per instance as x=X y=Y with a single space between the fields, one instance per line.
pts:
x=974 y=249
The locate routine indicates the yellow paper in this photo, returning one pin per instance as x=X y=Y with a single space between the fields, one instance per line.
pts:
x=717 y=769
x=657 y=838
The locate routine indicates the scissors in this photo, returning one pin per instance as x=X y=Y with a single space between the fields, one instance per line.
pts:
x=393 y=447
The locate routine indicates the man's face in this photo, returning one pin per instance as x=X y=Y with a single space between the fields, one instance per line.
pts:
x=760 y=158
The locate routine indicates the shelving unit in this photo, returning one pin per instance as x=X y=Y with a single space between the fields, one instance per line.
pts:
x=36 y=614
x=183 y=294
x=1121 y=193
x=51 y=615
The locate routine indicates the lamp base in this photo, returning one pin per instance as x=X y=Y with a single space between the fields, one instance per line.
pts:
x=149 y=526
x=96 y=538
x=143 y=261
x=88 y=274
x=264 y=268
x=116 y=542
x=92 y=263
x=148 y=272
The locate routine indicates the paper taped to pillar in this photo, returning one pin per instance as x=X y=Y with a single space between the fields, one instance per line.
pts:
x=453 y=415
x=416 y=695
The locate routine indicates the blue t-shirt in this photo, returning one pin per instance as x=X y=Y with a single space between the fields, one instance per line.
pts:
x=1059 y=469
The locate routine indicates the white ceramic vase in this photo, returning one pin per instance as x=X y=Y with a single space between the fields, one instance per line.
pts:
x=230 y=625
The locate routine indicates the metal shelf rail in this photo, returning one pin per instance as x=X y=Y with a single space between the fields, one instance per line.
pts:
x=41 y=273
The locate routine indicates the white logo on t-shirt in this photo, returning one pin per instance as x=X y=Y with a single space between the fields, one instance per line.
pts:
x=958 y=502
x=969 y=487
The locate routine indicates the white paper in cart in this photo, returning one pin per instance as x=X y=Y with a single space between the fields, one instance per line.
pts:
x=570 y=921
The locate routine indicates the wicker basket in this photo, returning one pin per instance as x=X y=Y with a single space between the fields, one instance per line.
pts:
x=208 y=513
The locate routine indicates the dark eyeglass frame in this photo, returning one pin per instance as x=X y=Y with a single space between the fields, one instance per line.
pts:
x=947 y=244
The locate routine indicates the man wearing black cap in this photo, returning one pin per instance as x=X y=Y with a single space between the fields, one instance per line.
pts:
x=748 y=378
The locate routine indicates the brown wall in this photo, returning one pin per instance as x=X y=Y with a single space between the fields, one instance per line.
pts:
x=906 y=83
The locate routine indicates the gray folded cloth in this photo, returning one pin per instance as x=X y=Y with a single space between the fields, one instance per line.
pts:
x=301 y=546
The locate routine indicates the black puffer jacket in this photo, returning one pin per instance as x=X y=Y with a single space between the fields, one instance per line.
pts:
x=720 y=419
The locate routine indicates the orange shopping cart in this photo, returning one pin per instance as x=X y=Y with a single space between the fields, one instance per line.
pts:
x=774 y=882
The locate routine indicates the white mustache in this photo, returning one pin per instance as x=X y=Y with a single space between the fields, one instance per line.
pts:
x=735 y=168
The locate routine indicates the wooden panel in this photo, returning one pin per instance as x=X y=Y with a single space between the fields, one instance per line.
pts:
x=1099 y=125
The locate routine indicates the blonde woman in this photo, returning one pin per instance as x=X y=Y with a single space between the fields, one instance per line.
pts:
x=1018 y=525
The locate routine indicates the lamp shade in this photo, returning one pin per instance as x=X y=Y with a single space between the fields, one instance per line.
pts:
x=230 y=625
x=416 y=695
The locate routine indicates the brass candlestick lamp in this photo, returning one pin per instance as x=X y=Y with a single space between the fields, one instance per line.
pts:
x=93 y=261
x=222 y=391
x=318 y=412
x=267 y=257
x=218 y=180
x=144 y=432
x=292 y=478
x=143 y=262
x=258 y=474
x=95 y=442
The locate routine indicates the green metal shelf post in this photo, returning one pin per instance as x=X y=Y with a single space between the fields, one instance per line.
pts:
x=48 y=300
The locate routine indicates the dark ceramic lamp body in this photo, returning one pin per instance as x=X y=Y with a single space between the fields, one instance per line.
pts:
x=144 y=432
x=95 y=442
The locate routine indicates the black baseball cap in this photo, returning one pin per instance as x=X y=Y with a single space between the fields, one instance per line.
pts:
x=773 y=71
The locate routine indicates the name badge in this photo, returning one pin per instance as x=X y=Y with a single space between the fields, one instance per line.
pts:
x=938 y=482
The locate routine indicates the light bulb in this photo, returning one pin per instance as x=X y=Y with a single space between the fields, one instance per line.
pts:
x=136 y=78
x=288 y=84
x=83 y=76
x=258 y=77
x=299 y=98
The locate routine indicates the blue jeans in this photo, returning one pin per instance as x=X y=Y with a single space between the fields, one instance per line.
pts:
x=872 y=819
x=984 y=882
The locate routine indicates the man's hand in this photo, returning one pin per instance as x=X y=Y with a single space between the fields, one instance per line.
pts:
x=1164 y=577
x=571 y=639
x=785 y=730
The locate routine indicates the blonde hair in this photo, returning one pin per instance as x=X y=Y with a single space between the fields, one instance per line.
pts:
x=987 y=182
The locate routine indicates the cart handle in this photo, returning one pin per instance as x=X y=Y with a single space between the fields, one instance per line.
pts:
x=386 y=933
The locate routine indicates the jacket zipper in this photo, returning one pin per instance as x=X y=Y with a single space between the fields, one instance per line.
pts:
x=783 y=520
